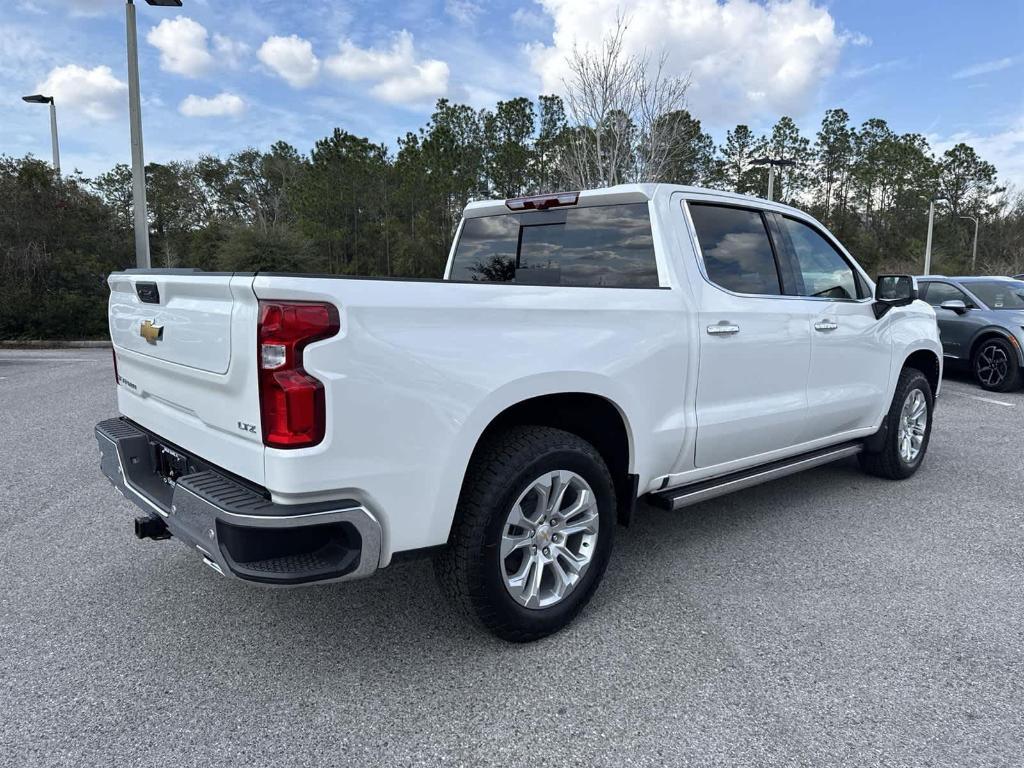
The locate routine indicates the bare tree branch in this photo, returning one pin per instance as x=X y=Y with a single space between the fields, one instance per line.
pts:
x=626 y=116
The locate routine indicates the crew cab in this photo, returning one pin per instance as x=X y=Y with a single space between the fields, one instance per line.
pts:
x=583 y=351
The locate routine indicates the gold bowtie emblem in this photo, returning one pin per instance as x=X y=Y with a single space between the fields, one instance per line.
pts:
x=151 y=333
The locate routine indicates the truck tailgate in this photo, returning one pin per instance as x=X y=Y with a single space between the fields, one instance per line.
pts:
x=185 y=347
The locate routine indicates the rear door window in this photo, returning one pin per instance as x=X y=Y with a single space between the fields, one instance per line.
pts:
x=599 y=246
x=736 y=249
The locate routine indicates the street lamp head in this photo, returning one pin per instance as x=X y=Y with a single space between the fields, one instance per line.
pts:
x=166 y=3
x=778 y=162
x=37 y=98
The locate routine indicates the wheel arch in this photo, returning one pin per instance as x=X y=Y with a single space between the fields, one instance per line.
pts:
x=991 y=332
x=587 y=411
x=592 y=417
x=928 y=363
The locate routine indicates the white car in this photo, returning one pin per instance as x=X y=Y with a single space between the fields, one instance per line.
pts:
x=583 y=350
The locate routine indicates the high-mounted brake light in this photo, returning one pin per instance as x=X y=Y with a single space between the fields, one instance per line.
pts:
x=292 y=404
x=542 y=202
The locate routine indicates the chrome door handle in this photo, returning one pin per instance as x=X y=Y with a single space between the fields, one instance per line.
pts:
x=825 y=325
x=723 y=329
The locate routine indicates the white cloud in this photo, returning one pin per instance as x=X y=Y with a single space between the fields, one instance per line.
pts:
x=183 y=47
x=76 y=8
x=90 y=7
x=872 y=69
x=95 y=93
x=21 y=52
x=530 y=18
x=427 y=81
x=984 y=68
x=398 y=77
x=222 y=105
x=858 y=39
x=231 y=52
x=1003 y=147
x=292 y=58
x=463 y=11
x=355 y=63
x=746 y=58
x=28 y=6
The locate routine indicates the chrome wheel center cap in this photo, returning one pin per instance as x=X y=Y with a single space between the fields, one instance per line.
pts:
x=543 y=536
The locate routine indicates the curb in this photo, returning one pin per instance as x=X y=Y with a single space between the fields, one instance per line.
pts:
x=49 y=344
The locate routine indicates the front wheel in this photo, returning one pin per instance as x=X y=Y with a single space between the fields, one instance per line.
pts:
x=907 y=429
x=533 y=533
x=995 y=366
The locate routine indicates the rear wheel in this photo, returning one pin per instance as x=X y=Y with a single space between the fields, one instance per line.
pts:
x=907 y=429
x=533 y=533
x=995 y=365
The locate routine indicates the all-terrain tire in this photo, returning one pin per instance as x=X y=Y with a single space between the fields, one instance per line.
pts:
x=887 y=461
x=470 y=567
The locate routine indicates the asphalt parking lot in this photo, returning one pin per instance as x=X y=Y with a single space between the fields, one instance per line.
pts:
x=824 y=619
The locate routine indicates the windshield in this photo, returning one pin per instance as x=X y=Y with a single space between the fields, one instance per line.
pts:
x=999 y=294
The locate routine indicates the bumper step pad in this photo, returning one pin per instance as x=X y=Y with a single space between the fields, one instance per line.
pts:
x=235 y=527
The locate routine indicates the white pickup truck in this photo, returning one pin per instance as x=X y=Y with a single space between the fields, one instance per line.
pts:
x=583 y=350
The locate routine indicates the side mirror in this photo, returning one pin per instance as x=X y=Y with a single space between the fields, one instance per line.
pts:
x=954 y=305
x=893 y=291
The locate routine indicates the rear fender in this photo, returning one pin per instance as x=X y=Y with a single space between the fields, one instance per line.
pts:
x=512 y=394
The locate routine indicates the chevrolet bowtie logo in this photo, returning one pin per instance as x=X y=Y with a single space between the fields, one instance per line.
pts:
x=151 y=333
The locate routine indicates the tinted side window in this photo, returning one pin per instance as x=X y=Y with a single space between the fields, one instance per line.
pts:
x=999 y=295
x=607 y=246
x=825 y=272
x=487 y=250
x=736 y=249
x=940 y=292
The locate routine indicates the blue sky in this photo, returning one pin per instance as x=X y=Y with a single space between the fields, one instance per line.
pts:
x=218 y=75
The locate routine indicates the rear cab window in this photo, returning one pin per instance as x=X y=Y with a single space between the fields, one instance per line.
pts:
x=608 y=246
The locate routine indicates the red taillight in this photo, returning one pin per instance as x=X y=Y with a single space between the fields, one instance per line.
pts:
x=291 y=401
x=542 y=202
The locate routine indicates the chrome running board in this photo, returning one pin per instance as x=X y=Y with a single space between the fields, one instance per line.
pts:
x=694 y=493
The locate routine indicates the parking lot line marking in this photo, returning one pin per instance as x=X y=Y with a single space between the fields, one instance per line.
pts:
x=49 y=360
x=984 y=399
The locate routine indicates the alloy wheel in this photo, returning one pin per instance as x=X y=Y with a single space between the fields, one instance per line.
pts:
x=992 y=365
x=549 y=539
x=913 y=425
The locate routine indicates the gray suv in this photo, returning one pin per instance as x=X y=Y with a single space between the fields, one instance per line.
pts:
x=981 y=322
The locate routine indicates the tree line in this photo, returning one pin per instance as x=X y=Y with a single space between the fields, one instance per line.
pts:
x=352 y=206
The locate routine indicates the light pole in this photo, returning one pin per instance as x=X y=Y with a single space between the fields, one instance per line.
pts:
x=40 y=99
x=135 y=124
x=974 y=250
x=931 y=223
x=772 y=163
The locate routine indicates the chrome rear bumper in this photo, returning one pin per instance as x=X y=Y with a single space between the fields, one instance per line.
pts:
x=234 y=528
